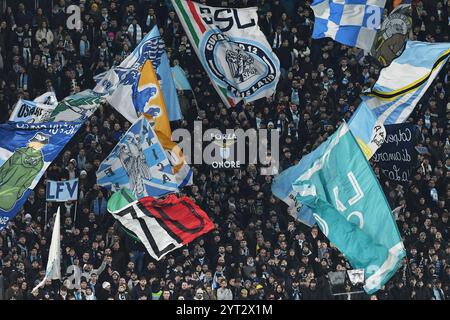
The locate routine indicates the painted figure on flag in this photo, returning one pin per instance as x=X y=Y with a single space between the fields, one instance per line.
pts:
x=133 y=160
x=18 y=172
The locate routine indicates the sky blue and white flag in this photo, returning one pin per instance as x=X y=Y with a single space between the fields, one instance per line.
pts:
x=282 y=188
x=26 y=151
x=138 y=163
x=37 y=111
x=31 y=112
x=62 y=191
x=180 y=79
x=399 y=88
x=351 y=208
x=125 y=89
x=350 y=22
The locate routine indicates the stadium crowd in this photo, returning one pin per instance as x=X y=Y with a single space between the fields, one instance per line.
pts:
x=257 y=250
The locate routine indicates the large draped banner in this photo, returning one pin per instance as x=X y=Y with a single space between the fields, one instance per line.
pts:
x=351 y=208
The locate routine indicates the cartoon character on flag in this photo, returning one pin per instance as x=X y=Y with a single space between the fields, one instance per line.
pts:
x=18 y=172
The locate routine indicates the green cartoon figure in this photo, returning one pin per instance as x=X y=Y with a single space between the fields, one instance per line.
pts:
x=19 y=171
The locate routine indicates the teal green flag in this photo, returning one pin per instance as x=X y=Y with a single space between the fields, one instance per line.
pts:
x=351 y=209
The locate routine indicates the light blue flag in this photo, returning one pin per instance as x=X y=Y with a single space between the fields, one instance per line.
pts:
x=399 y=88
x=26 y=151
x=351 y=208
x=138 y=163
x=282 y=188
x=62 y=191
x=164 y=73
x=180 y=79
x=350 y=22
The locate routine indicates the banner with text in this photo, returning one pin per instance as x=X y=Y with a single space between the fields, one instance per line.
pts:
x=62 y=191
x=397 y=154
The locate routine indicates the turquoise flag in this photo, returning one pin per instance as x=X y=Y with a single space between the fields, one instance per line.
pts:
x=351 y=209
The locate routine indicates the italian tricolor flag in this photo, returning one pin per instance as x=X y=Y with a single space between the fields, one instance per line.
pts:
x=232 y=49
x=195 y=28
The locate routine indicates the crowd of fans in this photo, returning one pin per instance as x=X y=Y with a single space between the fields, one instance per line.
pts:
x=257 y=250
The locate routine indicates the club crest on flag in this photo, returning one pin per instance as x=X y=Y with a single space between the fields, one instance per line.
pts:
x=249 y=67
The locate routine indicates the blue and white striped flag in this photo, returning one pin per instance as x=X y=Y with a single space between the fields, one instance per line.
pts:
x=397 y=92
x=139 y=163
x=350 y=22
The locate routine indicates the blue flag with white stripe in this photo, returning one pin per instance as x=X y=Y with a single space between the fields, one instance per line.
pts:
x=399 y=88
x=350 y=22
x=139 y=163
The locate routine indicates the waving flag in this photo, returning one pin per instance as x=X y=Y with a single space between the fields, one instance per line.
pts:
x=350 y=22
x=161 y=225
x=124 y=87
x=26 y=151
x=139 y=163
x=399 y=88
x=232 y=49
x=351 y=209
x=31 y=112
x=36 y=111
x=53 y=270
x=77 y=107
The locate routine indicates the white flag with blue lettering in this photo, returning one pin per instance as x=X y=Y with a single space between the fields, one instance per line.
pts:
x=62 y=191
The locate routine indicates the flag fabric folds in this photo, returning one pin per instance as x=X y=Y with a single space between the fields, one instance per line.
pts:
x=399 y=88
x=138 y=162
x=351 y=209
x=350 y=22
x=134 y=88
x=180 y=79
x=232 y=49
x=161 y=225
x=127 y=89
x=77 y=107
x=282 y=188
x=26 y=151
x=53 y=270
x=31 y=112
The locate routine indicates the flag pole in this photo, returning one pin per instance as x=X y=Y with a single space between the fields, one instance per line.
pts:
x=45 y=219
x=75 y=215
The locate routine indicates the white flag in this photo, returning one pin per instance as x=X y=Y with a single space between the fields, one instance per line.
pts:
x=53 y=270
